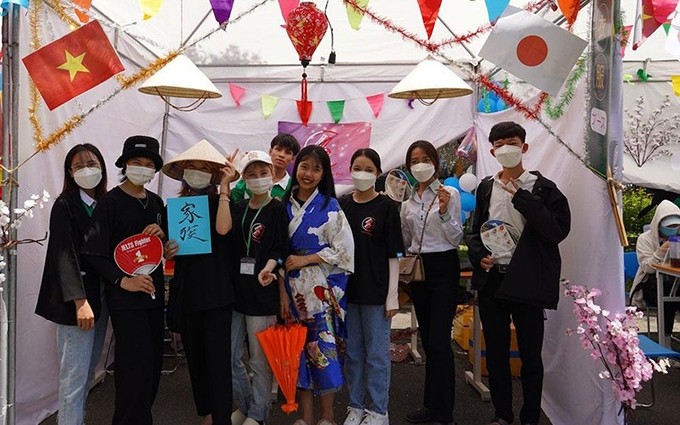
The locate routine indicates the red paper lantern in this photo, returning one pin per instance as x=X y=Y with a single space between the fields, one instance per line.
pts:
x=306 y=26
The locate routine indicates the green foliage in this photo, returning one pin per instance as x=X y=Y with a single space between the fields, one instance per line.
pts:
x=634 y=200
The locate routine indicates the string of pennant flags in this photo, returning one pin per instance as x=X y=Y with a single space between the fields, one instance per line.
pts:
x=336 y=107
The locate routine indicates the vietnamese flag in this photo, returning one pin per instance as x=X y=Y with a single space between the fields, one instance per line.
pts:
x=73 y=64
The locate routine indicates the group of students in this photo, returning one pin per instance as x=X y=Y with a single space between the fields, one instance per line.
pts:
x=284 y=248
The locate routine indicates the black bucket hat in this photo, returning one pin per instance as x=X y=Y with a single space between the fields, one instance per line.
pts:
x=144 y=146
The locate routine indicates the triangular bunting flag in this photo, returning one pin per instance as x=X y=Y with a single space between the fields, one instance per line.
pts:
x=569 y=9
x=337 y=107
x=150 y=7
x=676 y=84
x=662 y=9
x=355 y=15
x=286 y=6
x=376 y=103
x=533 y=49
x=85 y=5
x=73 y=64
x=236 y=93
x=495 y=8
x=305 y=110
x=268 y=104
x=666 y=27
x=222 y=10
x=429 y=10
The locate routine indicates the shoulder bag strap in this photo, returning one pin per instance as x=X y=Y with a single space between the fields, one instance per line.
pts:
x=422 y=234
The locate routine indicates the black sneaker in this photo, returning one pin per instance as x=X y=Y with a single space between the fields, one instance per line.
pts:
x=419 y=416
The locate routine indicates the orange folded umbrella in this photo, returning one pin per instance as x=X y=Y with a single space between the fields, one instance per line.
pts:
x=283 y=344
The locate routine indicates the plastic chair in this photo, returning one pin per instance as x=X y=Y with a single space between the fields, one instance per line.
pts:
x=630 y=264
x=654 y=351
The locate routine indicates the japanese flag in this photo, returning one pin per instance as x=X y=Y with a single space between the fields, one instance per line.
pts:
x=533 y=49
x=673 y=40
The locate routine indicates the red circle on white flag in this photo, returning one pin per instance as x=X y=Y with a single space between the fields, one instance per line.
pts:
x=532 y=50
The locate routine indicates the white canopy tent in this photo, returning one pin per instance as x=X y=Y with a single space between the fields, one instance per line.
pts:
x=256 y=54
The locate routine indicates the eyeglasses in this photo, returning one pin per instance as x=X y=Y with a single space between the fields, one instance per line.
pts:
x=88 y=164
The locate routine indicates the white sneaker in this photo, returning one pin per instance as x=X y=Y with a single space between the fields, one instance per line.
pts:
x=373 y=418
x=354 y=416
x=237 y=417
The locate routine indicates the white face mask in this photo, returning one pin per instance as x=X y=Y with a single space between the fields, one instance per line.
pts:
x=363 y=180
x=508 y=156
x=260 y=186
x=196 y=179
x=88 y=177
x=422 y=171
x=139 y=176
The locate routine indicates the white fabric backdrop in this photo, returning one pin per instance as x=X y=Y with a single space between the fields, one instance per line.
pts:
x=591 y=255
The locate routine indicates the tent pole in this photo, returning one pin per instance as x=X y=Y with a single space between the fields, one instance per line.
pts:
x=10 y=125
x=164 y=143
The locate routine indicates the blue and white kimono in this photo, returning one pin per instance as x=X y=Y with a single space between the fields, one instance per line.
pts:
x=317 y=292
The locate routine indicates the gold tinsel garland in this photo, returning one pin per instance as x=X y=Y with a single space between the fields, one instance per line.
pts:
x=126 y=82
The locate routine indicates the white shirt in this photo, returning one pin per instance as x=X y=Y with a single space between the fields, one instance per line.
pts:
x=442 y=232
x=501 y=208
x=283 y=183
x=87 y=199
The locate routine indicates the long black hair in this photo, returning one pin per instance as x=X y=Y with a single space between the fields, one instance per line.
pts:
x=69 y=183
x=326 y=186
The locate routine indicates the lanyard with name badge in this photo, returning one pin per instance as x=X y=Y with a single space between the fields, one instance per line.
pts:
x=248 y=263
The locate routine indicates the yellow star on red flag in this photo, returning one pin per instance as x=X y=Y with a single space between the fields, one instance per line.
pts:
x=73 y=64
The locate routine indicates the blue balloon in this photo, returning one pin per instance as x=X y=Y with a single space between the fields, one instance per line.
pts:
x=492 y=95
x=467 y=201
x=452 y=182
x=500 y=105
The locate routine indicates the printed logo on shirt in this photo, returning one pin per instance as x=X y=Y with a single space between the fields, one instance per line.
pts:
x=258 y=232
x=367 y=226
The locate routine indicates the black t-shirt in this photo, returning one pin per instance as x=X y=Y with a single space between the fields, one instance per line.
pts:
x=377 y=237
x=268 y=240
x=207 y=280
x=116 y=217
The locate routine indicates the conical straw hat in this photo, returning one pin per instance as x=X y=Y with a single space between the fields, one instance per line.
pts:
x=201 y=151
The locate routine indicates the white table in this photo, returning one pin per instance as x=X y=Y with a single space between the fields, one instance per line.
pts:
x=664 y=269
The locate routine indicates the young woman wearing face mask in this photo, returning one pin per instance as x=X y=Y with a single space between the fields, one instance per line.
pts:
x=203 y=285
x=430 y=222
x=371 y=292
x=260 y=230
x=71 y=291
x=136 y=312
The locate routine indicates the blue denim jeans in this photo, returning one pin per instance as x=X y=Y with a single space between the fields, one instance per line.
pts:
x=254 y=399
x=79 y=352
x=367 y=362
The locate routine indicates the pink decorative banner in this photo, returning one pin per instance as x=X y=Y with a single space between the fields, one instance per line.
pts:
x=376 y=103
x=339 y=140
x=236 y=93
x=286 y=6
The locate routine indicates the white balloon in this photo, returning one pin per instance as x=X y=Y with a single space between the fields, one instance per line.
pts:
x=468 y=182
